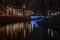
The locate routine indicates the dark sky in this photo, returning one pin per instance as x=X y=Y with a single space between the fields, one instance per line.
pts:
x=35 y=5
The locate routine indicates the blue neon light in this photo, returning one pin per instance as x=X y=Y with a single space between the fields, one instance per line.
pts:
x=36 y=19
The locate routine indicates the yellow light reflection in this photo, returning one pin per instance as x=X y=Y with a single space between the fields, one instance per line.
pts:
x=24 y=33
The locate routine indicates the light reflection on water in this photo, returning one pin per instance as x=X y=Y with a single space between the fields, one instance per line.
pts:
x=30 y=25
x=21 y=26
x=13 y=28
x=26 y=25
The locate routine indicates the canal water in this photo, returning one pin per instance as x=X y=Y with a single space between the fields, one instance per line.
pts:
x=28 y=30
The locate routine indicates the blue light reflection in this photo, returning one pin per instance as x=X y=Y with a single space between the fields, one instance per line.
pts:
x=35 y=19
